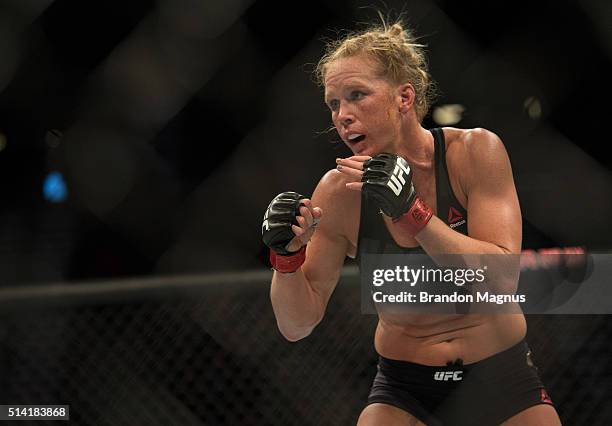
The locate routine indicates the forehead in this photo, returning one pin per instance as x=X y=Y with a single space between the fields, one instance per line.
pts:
x=347 y=71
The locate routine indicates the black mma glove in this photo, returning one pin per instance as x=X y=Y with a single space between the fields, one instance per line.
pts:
x=387 y=179
x=277 y=233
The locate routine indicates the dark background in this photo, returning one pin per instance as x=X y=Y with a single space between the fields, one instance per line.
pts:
x=175 y=122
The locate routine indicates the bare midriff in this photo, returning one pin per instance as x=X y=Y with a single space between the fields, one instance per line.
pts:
x=437 y=339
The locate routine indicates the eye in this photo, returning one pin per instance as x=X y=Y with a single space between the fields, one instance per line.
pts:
x=356 y=95
x=333 y=104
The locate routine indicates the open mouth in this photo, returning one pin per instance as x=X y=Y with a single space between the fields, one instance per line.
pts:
x=356 y=138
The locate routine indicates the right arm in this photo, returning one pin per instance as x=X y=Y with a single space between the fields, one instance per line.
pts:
x=299 y=299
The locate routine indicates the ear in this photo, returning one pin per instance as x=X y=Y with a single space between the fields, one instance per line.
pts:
x=406 y=96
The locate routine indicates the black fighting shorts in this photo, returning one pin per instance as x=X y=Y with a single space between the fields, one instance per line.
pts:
x=487 y=392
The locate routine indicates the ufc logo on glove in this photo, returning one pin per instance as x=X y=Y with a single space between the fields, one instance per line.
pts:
x=397 y=181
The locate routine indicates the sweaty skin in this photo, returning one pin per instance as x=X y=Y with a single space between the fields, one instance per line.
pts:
x=426 y=339
x=363 y=103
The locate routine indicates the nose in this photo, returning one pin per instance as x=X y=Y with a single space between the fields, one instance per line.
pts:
x=345 y=116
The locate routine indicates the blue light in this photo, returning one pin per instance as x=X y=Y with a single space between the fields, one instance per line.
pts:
x=54 y=188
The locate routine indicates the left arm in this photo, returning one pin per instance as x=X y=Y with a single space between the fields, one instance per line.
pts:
x=494 y=214
x=493 y=209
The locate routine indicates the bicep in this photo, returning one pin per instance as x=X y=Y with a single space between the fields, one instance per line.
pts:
x=326 y=252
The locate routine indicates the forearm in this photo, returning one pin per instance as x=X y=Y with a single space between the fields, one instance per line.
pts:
x=297 y=307
x=501 y=263
x=438 y=238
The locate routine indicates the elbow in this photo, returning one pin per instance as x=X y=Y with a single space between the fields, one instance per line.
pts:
x=505 y=269
x=513 y=276
x=507 y=283
x=293 y=334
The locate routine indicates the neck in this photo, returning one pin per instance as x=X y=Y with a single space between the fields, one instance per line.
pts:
x=416 y=146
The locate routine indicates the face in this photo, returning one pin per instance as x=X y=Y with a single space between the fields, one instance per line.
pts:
x=365 y=108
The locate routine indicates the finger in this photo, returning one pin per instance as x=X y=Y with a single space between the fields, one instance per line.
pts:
x=355 y=186
x=307 y=215
x=307 y=236
x=353 y=173
x=306 y=202
x=347 y=162
x=302 y=222
x=297 y=230
x=360 y=158
x=304 y=210
x=317 y=213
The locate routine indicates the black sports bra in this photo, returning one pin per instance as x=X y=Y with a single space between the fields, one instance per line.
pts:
x=374 y=237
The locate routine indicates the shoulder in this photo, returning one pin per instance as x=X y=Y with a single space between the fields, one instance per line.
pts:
x=476 y=155
x=473 y=144
x=482 y=144
x=333 y=184
x=470 y=147
x=338 y=202
x=331 y=192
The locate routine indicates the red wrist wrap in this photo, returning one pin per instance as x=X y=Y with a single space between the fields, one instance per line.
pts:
x=415 y=218
x=287 y=264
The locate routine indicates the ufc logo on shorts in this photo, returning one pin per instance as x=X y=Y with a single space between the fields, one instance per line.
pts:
x=445 y=376
x=397 y=181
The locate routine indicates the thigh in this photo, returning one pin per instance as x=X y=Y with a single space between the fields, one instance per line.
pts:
x=538 y=415
x=383 y=414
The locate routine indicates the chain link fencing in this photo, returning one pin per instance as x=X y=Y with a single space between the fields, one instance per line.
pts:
x=206 y=351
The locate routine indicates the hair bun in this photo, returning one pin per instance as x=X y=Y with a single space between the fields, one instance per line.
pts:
x=396 y=30
x=397 y=57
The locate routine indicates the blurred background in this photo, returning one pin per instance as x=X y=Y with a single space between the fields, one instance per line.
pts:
x=141 y=141
x=147 y=137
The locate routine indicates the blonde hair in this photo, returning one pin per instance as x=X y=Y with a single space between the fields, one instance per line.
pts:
x=398 y=57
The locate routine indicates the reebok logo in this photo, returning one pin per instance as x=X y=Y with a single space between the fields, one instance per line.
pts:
x=454 y=215
x=445 y=376
x=544 y=397
x=456 y=224
x=455 y=218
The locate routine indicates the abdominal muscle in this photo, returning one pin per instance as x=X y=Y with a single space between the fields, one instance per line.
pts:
x=437 y=339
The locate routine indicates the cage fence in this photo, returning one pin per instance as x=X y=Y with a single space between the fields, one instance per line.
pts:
x=205 y=350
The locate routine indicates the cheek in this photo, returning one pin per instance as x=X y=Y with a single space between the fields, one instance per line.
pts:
x=380 y=109
x=392 y=116
x=383 y=118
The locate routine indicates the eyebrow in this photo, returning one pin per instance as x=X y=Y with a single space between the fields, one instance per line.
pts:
x=348 y=87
